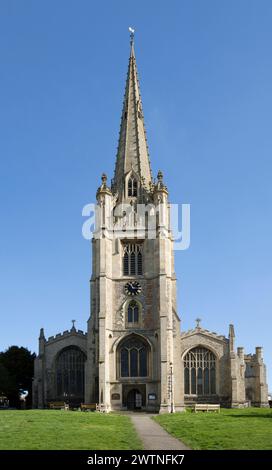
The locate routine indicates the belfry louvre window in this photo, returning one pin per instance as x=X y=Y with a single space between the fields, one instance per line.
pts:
x=133 y=259
x=132 y=187
x=200 y=372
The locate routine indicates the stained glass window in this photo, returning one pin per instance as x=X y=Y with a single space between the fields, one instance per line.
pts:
x=134 y=357
x=70 y=375
x=200 y=372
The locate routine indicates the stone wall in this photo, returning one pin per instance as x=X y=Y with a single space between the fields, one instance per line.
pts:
x=44 y=389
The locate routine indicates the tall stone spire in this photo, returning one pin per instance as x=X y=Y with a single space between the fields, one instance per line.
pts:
x=132 y=153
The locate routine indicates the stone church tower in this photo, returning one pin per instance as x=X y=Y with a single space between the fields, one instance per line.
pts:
x=133 y=332
x=134 y=355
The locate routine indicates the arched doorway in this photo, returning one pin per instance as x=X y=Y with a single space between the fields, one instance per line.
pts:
x=134 y=396
x=133 y=369
x=134 y=399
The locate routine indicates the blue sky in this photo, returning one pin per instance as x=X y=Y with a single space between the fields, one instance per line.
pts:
x=205 y=72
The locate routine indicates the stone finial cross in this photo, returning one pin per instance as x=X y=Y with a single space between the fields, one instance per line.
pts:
x=198 y=320
x=73 y=321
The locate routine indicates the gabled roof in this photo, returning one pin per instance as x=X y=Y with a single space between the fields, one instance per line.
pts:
x=201 y=331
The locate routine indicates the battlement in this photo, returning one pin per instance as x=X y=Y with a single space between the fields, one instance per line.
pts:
x=65 y=333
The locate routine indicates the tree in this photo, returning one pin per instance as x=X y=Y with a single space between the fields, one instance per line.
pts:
x=5 y=380
x=16 y=372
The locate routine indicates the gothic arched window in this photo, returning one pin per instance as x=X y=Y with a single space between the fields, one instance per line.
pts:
x=133 y=357
x=133 y=312
x=200 y=372
x=70 y=375
x=132 y=187
x=133 y=260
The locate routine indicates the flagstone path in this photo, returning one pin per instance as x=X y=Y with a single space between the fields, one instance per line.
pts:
x=153 y=436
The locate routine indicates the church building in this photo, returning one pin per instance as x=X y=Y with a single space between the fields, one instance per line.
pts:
x=134 y=355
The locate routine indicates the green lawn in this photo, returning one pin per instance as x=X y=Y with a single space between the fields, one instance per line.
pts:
x=50 y=429
x=249 y=428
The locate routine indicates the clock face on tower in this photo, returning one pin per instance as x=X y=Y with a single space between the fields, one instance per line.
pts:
x=133 y=288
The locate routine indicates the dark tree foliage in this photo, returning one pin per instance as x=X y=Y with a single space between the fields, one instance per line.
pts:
x=16 y=372
x=5 y=380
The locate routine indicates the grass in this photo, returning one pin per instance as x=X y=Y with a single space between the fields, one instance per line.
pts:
x=53 y=429
x=240 y=429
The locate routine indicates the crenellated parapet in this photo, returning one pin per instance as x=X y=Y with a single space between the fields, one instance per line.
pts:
x=64 y=334
x=255 y=378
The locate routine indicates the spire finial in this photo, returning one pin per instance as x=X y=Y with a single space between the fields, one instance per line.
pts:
x=198 y=320
x=132 y=32
x=73 y=327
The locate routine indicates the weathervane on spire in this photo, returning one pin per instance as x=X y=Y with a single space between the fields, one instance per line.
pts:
x=132 y=32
